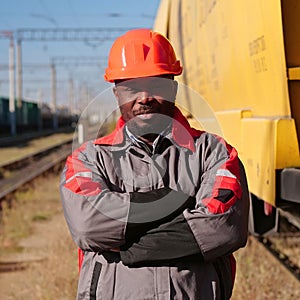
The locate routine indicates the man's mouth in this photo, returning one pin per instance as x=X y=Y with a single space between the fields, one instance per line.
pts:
x=145 y=114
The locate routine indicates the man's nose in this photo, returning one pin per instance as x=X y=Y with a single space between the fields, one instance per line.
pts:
x=144 y=97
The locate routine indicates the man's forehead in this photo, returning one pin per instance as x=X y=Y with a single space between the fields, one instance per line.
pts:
x=144 y=81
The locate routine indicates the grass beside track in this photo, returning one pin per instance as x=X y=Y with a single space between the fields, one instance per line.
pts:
x=33 y=231
x=9 y=154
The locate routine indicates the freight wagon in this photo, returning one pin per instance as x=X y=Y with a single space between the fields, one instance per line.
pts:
x=31 y=117
x=26 y=116
x=243 y=57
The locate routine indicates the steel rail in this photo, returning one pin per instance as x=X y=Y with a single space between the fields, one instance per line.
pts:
x=288 y=230
x=11 y=162
x=30 y=172
x=48 y=158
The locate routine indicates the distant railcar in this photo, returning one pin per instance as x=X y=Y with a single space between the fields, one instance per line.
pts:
x=4 y=115
x=63 y=116
x=30 y=117
x=243 y=58
x=26 y=116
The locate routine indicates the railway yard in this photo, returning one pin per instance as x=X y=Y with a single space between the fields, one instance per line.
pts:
x=238 y=68
x=38 y=259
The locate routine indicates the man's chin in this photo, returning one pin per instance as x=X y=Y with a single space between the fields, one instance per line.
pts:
x=147 y=124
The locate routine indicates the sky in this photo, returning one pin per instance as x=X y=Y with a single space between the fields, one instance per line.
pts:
x=53 y=14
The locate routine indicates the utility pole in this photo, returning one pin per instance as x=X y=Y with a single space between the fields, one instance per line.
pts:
x=11 y=79
x=12 y=106
x=54 y=109
x=40 y=102
x=83 y=120
x=19 y=81
x=71 y=96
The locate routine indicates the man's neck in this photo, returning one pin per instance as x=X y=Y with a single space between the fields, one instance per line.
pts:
x=149 y=138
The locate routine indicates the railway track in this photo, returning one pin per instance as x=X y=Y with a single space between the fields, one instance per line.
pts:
x=26 y=169
x=32 y=166
x=284 y=246
x=12 y=266
x=16 y=164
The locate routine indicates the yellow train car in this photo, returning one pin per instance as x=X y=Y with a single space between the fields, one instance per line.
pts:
x=243 y=57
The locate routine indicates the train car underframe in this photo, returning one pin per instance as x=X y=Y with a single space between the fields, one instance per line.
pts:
x=264 y=218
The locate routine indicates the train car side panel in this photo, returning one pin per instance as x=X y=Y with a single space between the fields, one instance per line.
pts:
x=233 y=53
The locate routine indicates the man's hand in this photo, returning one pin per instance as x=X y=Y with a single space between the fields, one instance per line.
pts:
x=168 y=242
x=149 y=210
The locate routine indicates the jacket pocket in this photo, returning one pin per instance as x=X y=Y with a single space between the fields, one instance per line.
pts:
x=95 y=279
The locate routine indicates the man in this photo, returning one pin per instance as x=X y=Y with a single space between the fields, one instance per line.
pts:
x=156 y=207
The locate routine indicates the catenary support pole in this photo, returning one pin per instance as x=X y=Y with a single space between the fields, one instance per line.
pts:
x=54 y=108
x=12 y=106
x=19 y=81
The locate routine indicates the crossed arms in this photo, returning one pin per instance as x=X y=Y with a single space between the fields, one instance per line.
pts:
x=160 y=225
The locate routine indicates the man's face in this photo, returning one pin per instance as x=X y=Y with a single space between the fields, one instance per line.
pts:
x=146 y=104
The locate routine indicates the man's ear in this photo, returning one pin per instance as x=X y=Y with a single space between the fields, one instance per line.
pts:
x=116 y=93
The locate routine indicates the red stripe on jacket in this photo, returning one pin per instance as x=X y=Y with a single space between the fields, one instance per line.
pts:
x=214 y=205
x=76 y=182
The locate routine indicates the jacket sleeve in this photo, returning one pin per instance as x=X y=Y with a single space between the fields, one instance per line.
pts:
x=220 y=221
x=96 y=216
x=164 y=245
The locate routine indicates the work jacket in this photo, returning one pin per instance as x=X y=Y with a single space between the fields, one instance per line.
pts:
x=96 y=188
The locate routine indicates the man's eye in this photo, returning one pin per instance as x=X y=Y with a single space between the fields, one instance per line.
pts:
x=131 y=89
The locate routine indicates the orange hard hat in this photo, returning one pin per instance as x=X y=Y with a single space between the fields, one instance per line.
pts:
x=141 y=53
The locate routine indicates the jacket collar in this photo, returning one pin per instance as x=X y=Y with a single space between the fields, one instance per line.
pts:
x=182 y=133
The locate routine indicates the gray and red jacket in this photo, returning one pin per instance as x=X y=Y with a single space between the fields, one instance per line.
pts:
x=98 y=185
